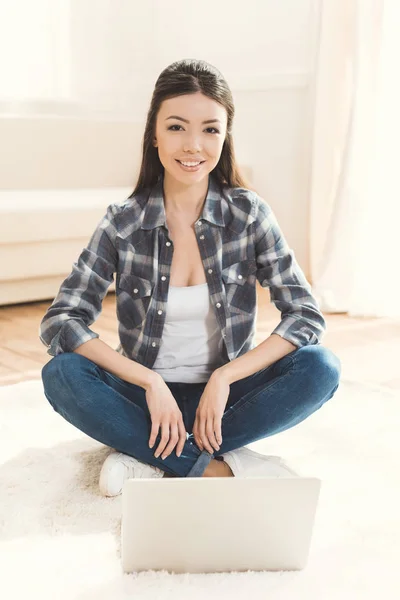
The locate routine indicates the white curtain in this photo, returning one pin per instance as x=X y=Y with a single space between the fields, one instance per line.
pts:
x=355 y=192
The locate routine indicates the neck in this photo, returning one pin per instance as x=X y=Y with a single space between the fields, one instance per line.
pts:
x=182 y=200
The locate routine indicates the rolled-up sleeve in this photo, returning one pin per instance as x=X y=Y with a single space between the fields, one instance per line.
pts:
x=302 y=322
x=65 y=325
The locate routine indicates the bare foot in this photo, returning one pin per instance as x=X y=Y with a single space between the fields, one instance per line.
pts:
x=218 y=468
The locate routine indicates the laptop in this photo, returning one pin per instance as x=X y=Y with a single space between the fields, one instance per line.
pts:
x=218 y=524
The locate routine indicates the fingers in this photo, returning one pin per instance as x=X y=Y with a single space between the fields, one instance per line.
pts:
x=173 y=438
x=172 y=433
x=182 y=437
x=155 y=425
x=204 y=435
x=207 y=433
x=196 y=436
x=211 y=435
x=217 y=430
x=164 y=438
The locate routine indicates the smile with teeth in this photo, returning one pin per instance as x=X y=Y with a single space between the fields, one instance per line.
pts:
x=190 y=164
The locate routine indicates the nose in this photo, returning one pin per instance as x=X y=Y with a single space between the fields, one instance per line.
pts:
x=191 y=144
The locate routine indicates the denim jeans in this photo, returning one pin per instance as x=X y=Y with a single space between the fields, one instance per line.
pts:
x=115 y=413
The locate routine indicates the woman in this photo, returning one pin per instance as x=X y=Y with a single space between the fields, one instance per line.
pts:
x=187 y=248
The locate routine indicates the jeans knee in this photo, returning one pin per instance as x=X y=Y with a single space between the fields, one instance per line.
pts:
x=64 y=366
x=328 y=364
x=323 y=364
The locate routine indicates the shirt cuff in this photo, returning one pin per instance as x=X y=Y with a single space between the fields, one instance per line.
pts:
x=293 y=330
x=71 y=335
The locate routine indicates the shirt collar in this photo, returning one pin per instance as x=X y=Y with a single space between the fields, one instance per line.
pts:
x=154 y=212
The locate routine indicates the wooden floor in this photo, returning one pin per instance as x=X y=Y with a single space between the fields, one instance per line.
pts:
x=368 y=348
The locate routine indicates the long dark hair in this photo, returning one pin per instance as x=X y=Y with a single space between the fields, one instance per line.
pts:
x=189 y=76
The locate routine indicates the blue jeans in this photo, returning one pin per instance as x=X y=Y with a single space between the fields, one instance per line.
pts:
x=115 y=413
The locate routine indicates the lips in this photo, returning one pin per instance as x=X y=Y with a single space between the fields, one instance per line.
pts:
x=191 y=161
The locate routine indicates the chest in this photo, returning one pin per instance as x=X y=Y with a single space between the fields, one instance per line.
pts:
x=186 y=267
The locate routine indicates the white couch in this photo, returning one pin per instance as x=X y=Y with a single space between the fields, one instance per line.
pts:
x=57 y=176
x=42 y=232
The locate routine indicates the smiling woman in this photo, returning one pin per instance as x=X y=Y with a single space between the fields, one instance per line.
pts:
x=188 y=247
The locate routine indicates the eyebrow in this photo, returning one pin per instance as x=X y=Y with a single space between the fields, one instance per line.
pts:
x=186 y=121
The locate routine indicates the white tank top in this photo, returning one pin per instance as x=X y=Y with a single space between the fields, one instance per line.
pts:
x=192 y=346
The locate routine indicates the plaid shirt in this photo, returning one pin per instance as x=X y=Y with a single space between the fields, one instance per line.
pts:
x=239 y=240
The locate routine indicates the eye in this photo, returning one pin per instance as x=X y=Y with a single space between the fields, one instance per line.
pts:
x=171 y=128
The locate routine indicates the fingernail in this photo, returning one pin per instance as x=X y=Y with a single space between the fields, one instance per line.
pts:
x=163 y=457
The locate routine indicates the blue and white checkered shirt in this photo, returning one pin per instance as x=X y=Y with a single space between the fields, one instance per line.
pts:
x=239 y=240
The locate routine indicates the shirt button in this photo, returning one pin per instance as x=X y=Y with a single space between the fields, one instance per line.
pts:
x=153 y=344
x=168 y=243
x=240 y=276
x=210 y=270
x=202 y=237
x=135 y=291
x=163 y=278
x=159 y=312
x=218 y=305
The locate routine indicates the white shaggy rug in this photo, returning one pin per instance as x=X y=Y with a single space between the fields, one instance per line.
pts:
x=60 y=539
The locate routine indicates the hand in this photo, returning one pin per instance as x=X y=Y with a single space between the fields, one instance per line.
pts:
x=165 y=413
x=207 y=425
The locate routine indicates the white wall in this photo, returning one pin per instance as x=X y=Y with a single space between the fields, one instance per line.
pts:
x=91 y=136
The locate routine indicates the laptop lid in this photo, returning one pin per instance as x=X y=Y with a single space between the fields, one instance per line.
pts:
x=217 y=524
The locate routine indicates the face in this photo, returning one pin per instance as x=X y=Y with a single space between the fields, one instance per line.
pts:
x=182 y=135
